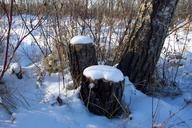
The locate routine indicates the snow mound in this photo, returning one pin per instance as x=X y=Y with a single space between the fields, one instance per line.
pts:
x=1 y=101
x=15 y=67
x=81 y=40
x=104 y=72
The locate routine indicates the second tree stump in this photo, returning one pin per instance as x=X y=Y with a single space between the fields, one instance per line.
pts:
x=102 y=90
x=81 y=54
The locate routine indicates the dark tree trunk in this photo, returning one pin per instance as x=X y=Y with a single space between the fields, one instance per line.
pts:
x=80 y=57
x=140 y=58
x=104 y=98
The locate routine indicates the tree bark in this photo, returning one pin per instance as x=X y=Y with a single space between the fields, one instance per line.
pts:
x=81 y=56
x=102 y=97
x=140 y=57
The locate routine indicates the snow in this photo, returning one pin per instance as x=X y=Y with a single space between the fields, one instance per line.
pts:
x=81 y=40
x=28 y=47
x=109 y=73
x=43 y=111
x=15 y=67
x=0 y=100
x=91 y=85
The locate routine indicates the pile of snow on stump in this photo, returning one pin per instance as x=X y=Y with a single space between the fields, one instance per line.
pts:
x=81 y=40
x=102 y=90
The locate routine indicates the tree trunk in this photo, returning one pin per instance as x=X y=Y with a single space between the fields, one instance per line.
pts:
x=102 y=97
x=80 y=57
x=140 y=58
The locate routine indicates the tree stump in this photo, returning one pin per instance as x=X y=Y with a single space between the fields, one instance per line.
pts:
x=102 y=90
x=81 y=55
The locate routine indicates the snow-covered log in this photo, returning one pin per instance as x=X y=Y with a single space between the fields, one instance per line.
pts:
x=81 y=55
x=102 y=89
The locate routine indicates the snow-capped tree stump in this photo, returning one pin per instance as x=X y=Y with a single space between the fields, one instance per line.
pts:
x=102 y=90
x=81 y=55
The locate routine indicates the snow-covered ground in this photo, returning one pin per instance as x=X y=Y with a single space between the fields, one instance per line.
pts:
x=37 y=107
